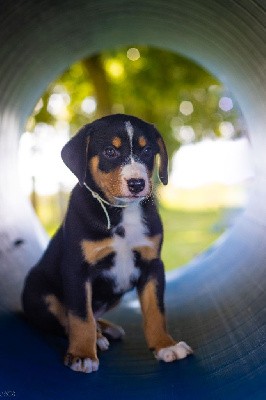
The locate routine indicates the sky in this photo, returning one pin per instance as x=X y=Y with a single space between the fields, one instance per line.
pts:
x=212 y=161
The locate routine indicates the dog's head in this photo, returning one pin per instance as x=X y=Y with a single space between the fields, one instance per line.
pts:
x=115 y=155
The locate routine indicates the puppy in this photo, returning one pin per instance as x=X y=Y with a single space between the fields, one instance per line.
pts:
x=109 y=243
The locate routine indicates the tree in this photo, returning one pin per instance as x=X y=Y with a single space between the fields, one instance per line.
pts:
x=178 y=96
x=95 y=70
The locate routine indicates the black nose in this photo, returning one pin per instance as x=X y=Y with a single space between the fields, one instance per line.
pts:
x=135 y=185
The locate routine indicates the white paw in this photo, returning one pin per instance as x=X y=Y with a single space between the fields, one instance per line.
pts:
x=103 y=343
x=78 y=364
x=172 y=353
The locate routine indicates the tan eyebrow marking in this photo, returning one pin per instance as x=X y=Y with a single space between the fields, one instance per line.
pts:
x=116 y=142
x=142 y=141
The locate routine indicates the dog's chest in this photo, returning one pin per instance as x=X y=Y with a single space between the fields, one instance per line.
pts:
x=131 y=233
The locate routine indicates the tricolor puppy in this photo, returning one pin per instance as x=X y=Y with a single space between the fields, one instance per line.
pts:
x=108 y=244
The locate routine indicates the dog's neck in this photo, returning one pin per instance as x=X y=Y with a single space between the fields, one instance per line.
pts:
x=104 y=202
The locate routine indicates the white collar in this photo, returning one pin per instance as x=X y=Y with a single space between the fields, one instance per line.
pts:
x=102 y=201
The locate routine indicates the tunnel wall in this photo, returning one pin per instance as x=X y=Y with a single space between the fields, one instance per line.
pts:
x=41 y=39
x=219 y=306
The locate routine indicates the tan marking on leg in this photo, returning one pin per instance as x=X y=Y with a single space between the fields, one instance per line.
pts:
x=57 y=309
x=117 y=142
x=110 y=183
x=150 y=252
x=154 y=321
x=142 y=141
x=83 y=333
x=95 y=251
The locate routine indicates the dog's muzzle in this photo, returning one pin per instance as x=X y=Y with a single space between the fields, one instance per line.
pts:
x=135 y=186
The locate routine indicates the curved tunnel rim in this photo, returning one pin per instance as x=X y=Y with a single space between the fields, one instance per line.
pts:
x=155 y=41
x=231 y=354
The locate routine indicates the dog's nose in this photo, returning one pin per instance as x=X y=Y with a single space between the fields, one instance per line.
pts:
x=135 y=185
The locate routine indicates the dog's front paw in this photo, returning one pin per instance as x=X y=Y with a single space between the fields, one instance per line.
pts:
x=79 y=364
x=177 y=352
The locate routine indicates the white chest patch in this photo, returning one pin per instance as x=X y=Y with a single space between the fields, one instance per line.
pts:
x=124 y=271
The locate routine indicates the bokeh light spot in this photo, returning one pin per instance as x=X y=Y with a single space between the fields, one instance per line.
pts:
x=186 y=107
x=226 y=104
x=133 y=54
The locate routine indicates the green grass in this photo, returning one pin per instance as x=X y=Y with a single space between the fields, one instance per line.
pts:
x=186 y=233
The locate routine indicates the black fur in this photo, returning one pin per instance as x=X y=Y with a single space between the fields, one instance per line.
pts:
x=62 y=271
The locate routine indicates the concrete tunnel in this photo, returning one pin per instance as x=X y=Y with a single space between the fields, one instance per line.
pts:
x=217 y=304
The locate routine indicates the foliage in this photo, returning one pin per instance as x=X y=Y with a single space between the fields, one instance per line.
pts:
x=152 y=87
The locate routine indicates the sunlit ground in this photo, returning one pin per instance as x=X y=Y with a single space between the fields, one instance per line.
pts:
x=189 y=228
x=188 y=232
x=194 y=218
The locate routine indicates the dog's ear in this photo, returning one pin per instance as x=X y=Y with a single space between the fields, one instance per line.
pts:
x=163 y=157
x=74 y=153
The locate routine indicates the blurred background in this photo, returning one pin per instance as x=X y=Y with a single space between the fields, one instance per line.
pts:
x=202 y=125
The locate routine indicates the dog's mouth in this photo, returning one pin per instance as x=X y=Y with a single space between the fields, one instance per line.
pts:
x=123 y=200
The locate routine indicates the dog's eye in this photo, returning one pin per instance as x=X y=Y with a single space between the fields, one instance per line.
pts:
x=110 y=152
x=147 y=151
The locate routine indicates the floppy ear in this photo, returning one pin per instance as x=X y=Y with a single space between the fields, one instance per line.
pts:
x=74 y=154
x=163 y=158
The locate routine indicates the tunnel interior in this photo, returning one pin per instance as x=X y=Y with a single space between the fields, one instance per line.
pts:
x=218 y=304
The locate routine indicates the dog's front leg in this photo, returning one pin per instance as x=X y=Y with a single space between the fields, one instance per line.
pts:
x=151 y=294
x=82 y=353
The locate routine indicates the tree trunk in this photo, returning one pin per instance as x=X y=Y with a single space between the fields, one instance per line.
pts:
x=96 y=72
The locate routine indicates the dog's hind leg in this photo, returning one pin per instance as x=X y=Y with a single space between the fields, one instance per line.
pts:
x=58 y=310
x=42 y=307
x=108 y=328
x=42 y=292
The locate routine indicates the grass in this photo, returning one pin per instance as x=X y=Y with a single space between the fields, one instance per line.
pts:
x=186 y=233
